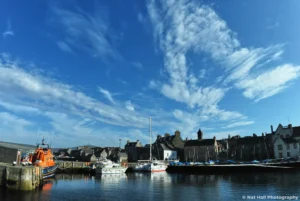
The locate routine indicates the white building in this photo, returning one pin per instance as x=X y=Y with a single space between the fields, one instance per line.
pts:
x=169 y=154
x=286 y=141
x=286 y=148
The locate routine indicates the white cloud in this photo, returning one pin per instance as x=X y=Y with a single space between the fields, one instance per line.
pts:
x=51 y=95
x=140 y=17
x=9 y=119
x=8 y=31
x=129 y=105
x=183 y=26
x=64 y=47
x=239 y=123
x=138 y=65
x=244 y=60
x=270 y=82
x=88 y=32
x=18 y=108
x=186 y=26
x=107 y=94
x=212 y=111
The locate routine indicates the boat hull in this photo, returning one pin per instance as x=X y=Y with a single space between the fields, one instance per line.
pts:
x=49 y=171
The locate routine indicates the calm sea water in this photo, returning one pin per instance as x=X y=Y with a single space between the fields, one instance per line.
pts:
x=163 y=186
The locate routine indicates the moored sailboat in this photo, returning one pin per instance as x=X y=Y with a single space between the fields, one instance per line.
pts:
x=152 y=165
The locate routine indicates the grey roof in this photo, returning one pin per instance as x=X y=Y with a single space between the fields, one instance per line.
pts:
x=25 y=147
x=296 y=131
x=204 y=142
x=289 y=140
x=165 y=147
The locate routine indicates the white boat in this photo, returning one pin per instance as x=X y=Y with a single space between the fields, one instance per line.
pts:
x=142 y=167
x=109 y=167
x=157 y=166
x=152 y=165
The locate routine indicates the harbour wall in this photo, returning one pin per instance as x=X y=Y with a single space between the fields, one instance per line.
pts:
x=226 y=169
x=23 y=178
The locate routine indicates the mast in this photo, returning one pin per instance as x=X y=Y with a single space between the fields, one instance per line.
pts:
x=150 y=138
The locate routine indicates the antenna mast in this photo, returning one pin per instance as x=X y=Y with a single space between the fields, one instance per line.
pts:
x=150 y=138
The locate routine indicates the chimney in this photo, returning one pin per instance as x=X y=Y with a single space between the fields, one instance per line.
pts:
x=272 y=129
x=158 y=136
x=200 y=134
x=167 y=135
x=291 y=128
x=177 y=133
x=214 y=138
x=127 y=141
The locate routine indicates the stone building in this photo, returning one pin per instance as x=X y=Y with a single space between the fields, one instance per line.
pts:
x=10 y=152
x=168 y=147
x=201 y=149
x=134 y=150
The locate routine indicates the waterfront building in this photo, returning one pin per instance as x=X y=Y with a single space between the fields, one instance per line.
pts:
x=168 y=147
x=201 y=149
x=286 y=141
x=10 y=152
x=285 y=147
x=135 y=151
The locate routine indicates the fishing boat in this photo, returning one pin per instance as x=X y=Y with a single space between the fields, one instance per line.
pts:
x=153 y=165
x=109 y=167
x=43 y=157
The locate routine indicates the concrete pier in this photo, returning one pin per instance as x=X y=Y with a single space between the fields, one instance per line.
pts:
x=73 y=166
x=23 y=178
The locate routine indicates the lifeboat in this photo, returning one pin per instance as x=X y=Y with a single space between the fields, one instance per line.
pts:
x=43 y=157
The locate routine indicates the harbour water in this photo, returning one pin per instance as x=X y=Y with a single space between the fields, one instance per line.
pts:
x=164 y=186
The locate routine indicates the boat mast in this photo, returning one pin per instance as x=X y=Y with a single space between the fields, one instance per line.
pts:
x=150 y=138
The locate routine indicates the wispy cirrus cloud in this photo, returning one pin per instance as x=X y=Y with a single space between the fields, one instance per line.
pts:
x=64 y=47
x=66 y=111
x=107 y=94
x=85 y=31
x=129 y=105
x=8 y=31
x=269 y=83
x=239 y=123
x=9 y=119
x=184 y=26
x=16 y=83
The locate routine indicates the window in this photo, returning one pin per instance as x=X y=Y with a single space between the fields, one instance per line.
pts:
x=288 y=154
x=280 y=155
x=295 y=146
x=279 y=147
x=288 y=146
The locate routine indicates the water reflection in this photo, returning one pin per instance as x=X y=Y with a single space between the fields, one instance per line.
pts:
x=115 y=178
x=159 y=186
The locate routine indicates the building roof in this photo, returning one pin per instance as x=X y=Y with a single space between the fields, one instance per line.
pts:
x=17 y=146
x=165 y=147
x=289 y=140
x=296 y=131
x=204 y=142
x=166 y=138
x=122 y=154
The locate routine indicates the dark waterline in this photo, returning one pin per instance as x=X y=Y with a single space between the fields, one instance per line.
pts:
x=161 y=186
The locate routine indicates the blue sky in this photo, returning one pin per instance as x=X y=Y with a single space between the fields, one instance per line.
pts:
x=92 y=72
